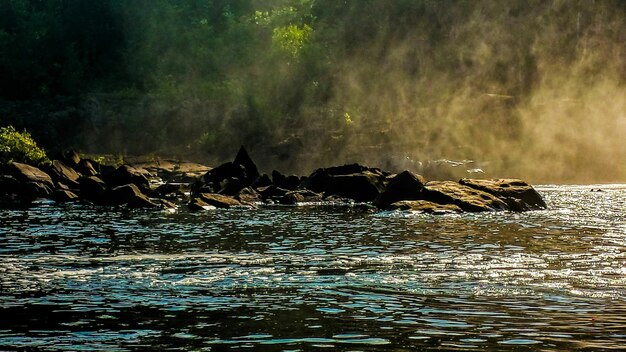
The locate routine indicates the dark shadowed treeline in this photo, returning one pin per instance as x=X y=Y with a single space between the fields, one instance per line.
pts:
x=533 y=89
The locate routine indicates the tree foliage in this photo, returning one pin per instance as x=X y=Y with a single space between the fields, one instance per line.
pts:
x=429 y=77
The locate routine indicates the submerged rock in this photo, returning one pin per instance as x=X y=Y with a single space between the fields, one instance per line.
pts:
x=425 y=207
x=299 y=196
x=219 y=200
x=198 y=204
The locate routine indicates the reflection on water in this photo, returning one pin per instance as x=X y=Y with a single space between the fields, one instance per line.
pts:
x=309 y=278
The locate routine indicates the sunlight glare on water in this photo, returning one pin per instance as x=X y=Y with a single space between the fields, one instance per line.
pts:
x=301 y=278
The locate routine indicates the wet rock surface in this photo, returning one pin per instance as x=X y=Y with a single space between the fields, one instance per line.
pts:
x=163 y=184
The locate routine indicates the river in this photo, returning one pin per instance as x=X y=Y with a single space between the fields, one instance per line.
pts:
x=309 y=278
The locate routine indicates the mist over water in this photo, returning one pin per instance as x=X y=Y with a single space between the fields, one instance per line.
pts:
x=534 y=89
x=529 y=89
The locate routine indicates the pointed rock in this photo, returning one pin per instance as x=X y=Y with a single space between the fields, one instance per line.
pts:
x=251 y=171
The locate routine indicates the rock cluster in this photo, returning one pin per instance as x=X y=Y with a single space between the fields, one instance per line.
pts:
x=240 y=184
x=70 y=178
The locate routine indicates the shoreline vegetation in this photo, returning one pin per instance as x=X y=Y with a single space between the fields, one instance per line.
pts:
x=530 y=88
x=26 y=174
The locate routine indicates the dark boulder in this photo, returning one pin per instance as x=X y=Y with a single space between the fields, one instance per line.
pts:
x=361 y=187
x=27 y=173
x=63 y=196
x=263 y=181
x=127 y=174
x=93 y=189
x=403 y=186
x=466 y=198
x=346 y=169
x=517 y=194
x=290 y=182
x=88 y=167
x=353 y=181
x=131 y=195
x=215 y=178
x=64 y=174
x=231 y=186
x=34 y=183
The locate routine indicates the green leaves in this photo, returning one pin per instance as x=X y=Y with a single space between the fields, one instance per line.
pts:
x=292 y=38
x=20 y=147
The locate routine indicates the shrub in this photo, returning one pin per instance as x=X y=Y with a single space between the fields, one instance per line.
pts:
x=20 y=147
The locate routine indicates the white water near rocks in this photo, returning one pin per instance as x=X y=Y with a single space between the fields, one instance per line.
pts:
x=81 y=278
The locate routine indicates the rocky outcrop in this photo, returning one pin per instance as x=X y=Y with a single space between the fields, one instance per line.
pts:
x=239 y=184
x=466 y=198
x=517 y=194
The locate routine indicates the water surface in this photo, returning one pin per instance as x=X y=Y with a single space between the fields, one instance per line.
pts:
x=84 y=278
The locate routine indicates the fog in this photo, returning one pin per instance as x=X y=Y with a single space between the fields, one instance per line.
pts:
x=527 y=89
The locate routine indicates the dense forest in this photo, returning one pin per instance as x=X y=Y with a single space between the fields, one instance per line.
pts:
x=530 y=88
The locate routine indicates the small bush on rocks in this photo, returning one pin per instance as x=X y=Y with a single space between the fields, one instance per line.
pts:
x=20 y=147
